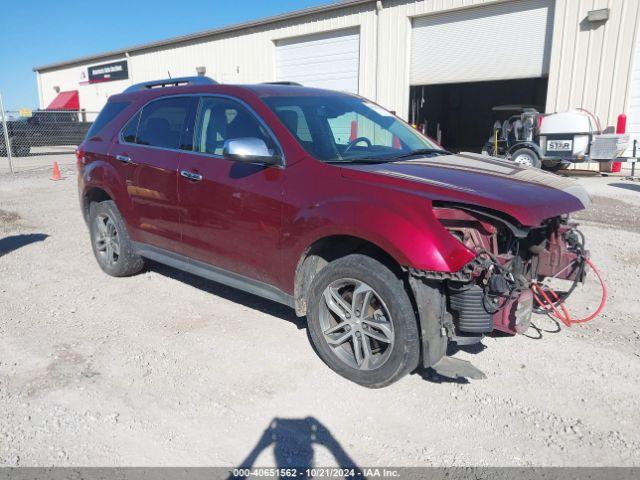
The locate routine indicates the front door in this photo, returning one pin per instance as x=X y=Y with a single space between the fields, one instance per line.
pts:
x=231 y=212
x=147 y=157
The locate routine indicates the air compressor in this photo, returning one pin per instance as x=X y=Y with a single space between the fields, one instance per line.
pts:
x=553 y=141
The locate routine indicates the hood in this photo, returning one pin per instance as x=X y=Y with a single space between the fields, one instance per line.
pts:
x=527 y=194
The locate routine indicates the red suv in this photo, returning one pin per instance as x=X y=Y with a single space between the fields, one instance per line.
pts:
x=326 y=202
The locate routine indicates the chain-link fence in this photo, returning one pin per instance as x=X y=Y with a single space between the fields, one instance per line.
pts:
x=32 y=139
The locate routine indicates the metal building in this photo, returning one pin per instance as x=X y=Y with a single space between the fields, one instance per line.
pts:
x=441 y=62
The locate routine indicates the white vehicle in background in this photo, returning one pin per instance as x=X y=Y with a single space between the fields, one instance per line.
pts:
x=552 y=141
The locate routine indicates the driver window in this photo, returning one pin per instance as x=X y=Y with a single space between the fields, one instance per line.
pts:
x=221 y=119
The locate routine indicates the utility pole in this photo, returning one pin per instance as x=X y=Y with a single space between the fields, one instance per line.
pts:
x=5 y=129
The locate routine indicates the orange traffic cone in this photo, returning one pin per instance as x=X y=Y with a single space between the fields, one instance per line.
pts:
x=56 y=172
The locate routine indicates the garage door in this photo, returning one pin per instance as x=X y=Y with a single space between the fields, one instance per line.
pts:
x=329 y=60
x=633 y=114
x=508 y=40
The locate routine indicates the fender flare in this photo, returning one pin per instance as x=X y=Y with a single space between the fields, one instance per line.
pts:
x=530 y=145
x=413 y=237
x=102 y=175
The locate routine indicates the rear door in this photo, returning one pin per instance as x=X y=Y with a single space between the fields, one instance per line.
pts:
x=147 y=156
x=231 y=211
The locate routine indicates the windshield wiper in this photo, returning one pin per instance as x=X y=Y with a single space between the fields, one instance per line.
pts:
x=390 y=158
x=422 y=151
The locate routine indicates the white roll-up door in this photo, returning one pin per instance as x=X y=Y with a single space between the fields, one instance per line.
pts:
x=329 y=60
x=504 y=41
x=633 y=114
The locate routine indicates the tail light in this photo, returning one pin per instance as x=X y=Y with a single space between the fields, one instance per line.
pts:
x=79 y=157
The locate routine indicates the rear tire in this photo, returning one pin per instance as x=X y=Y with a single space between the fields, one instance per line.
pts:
x=110 y=241
x=526 y=157
x=362 y=322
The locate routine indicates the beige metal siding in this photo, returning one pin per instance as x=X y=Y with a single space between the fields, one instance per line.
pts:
x=633 y=109
x=248 y=56
x=591 y=64
x=394 y=46
x=589 y=67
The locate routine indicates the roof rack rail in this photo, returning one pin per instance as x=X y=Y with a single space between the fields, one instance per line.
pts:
x=283 y=82
x=171 y=82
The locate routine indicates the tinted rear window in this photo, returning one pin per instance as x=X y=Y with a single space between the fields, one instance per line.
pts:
x=108 y=113
x=162 y=122
x=130 y=130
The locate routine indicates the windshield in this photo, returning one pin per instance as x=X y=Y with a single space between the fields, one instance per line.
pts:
x=341 y=128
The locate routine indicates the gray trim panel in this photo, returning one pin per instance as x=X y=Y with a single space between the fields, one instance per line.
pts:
x=202 y=269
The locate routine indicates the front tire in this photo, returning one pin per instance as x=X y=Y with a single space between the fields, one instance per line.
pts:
x=110 y=241
x=362 y=322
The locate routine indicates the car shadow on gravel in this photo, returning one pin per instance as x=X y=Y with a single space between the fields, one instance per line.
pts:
x=237 y=296
x=430 y=375
x=14 y=242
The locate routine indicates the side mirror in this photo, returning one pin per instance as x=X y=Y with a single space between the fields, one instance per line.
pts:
x=248 y=150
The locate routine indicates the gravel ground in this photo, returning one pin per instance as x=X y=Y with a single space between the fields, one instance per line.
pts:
x=167 y=369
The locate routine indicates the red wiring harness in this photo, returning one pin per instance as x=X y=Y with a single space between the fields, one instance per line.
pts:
x=550 y=306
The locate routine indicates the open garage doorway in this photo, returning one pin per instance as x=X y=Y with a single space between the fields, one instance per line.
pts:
x=460 y=114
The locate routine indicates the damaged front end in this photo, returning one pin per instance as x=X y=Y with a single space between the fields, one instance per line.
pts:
x=494 y=290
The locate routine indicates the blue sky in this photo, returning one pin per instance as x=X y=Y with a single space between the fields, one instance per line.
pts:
x=37 y=32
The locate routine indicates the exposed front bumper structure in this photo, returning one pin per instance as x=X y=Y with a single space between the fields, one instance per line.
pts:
x=493 y=292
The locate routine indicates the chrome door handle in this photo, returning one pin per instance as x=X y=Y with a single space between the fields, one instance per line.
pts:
x=191 y=175
x=123 y=159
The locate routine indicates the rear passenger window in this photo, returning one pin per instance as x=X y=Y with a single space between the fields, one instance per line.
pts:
x=162 y=122
x=131 y=129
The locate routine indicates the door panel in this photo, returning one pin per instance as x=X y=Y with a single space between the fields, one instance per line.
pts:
x=147 y=157
x=231 y=217
x=151 y=182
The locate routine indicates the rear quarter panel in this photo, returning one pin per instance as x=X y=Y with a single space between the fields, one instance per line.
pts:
x=97 y=170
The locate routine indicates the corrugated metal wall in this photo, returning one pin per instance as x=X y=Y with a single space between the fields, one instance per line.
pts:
x=633 y=112
x=251 y=57
x=591 y=64
x=590 y=67
x=239 y=57
x=395 y=46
